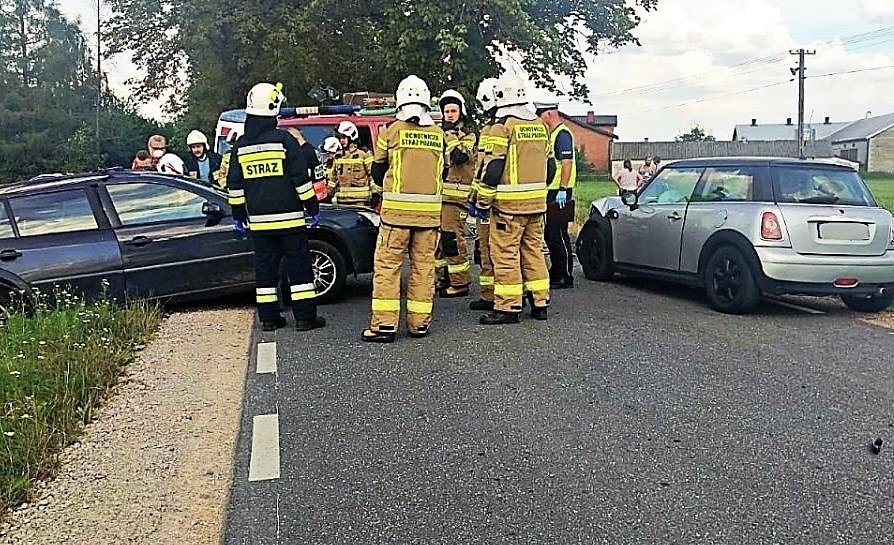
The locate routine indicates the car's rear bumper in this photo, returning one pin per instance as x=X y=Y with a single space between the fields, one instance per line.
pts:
x=787 y=271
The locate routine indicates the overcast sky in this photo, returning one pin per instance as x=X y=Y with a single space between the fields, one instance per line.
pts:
x=697 y=65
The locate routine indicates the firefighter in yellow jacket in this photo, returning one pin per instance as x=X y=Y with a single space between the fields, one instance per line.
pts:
x=351 y=181
x=408 y=166
x=486 y=99
x=514 y=186
x=453 y=255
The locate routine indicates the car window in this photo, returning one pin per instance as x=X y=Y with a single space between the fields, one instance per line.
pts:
x=5 y=225
x=727 y=184
x=59 y=212
x=816 y=185
x=670 y=186
x=140 y=202
x=315 y=134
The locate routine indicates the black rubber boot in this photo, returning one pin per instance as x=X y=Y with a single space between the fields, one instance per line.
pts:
x=499 y=318
x=274 y=325
x=539 y=313
x=370 y=336
x=308 y=325
x=481 y=304
x=419 y=333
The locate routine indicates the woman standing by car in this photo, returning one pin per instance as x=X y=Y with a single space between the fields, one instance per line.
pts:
x=628 y=179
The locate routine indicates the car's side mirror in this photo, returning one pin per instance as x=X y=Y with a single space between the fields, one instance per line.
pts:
x=630 y=199
x=214 y=212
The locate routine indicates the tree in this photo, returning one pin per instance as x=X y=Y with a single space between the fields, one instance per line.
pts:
x=216 y=50
x=695 y=134
x=47 y=98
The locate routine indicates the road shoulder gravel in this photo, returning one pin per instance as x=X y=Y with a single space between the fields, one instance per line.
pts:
x=155 y=466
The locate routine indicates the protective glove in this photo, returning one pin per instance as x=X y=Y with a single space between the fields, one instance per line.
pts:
x=470 y=208
x=240 y=227
x=315 y=220
x=561 y=198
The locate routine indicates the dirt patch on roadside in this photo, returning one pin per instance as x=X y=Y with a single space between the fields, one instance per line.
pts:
x=155 y=465
x=883 y=319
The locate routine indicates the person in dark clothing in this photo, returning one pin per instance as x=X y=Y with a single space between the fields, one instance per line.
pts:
x=559 y=198
x=272 y=196
x=201 y=163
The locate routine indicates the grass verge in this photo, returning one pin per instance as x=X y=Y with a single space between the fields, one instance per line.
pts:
x=57 y=364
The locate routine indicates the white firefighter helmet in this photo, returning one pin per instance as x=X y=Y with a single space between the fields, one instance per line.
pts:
x=346 y=128
x=331 y=144
x=170 y=163
x=452 y=96
x=412 y=90
x=486 y=93
x=511 y=91
x=196 y=137
x=264 y=99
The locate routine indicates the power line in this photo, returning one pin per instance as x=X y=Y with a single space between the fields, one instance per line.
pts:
x=885 y=34
x=830 y=74
x=717 y=97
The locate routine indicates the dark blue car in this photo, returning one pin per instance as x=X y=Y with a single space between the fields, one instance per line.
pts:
x=141 y=234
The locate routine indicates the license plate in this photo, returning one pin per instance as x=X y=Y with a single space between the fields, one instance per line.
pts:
x=843 y=231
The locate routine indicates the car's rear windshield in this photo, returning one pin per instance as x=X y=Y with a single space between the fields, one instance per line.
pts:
x=817 y=185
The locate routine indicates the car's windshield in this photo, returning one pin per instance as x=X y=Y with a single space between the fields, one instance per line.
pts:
x=817 y=185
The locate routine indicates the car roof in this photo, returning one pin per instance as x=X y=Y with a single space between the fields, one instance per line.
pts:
x=75 y=181
x=757 y=161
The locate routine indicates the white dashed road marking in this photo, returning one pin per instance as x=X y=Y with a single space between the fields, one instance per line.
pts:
x=264 y=464
x=267 y=357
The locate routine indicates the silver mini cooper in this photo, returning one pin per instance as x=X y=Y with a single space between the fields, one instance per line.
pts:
x=743 y=227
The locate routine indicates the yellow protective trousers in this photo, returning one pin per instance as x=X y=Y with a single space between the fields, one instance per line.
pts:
x=453 y=257
x=486 y=278
x=393 y=244
x=516 y=247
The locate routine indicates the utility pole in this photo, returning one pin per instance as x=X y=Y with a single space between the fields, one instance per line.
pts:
x=801 y=53
x=98 y=75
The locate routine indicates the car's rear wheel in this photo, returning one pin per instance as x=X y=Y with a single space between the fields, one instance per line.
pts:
x=330 y=270
x=868 y=303
x=594 y=251
x=729 y=281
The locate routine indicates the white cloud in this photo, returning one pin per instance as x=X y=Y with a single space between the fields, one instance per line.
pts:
x=878 y=8
x=699 y=43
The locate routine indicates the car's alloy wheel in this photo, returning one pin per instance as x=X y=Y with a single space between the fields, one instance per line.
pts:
x=325 y=272
x=329 y=268
x=729 y=282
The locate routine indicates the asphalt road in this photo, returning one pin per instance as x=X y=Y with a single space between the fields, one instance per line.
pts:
x=634 y=415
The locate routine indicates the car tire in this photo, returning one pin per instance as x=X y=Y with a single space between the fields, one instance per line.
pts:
x=330 y=273
x=729 y=281
x=868 y=303
x=594 y=252
x=330 y=270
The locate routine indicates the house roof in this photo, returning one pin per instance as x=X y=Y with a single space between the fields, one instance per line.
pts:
x=598 y=120
x=772 y=133
x=864 y=129
x=598 y=125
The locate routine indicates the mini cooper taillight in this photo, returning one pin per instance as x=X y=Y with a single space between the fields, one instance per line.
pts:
x=770 y=228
